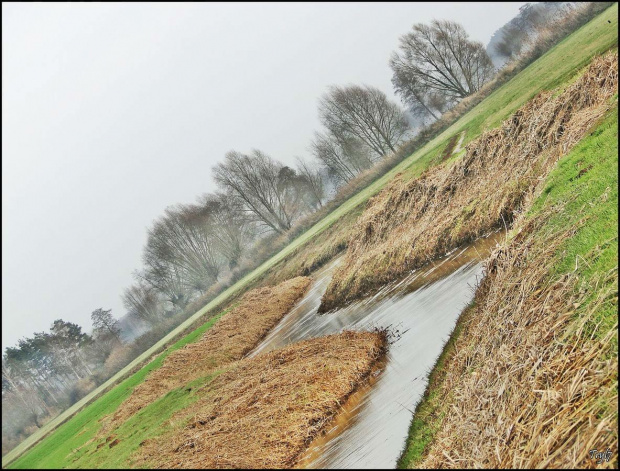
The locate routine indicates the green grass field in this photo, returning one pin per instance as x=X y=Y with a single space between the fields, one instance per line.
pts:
x=592 y=194
x=549 y=71
x=58 y=448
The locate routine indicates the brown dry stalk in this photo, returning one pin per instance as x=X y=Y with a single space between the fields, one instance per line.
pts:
x=527 y=384
x=264 y=411
x=413 y=221
x=228 y=340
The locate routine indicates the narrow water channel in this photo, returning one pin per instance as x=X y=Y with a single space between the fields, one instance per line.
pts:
x=421 y=309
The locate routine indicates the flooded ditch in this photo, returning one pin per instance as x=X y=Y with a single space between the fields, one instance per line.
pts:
x=421 y=310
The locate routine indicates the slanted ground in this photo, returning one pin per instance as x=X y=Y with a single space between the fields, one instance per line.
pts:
x=416 y=220
x=259 y=412
x=71 y=436
x=529 y=377
x=230 y=339
x=264 y=411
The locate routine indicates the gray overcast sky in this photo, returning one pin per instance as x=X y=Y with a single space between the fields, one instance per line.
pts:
x=111 y=112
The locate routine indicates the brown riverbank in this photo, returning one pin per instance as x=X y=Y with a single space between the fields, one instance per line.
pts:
x=263 y=411
x=413 y=221
x=228 y=340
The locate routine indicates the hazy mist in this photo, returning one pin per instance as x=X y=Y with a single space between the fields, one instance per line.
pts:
x=111 y=112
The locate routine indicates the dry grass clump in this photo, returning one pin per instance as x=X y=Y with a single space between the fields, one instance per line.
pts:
x=411 y=222
x=530 y=384
x=264 y=411
x=228 y=340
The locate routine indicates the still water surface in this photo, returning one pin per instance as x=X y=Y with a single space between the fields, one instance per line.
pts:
x=421 y=309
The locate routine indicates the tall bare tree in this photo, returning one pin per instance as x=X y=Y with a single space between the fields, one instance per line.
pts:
x=181 y=254
x=232 y=230
x=141 y=301
x=364 y=113
x=313 y=180
x=343 y=158
x=438 y=60
x=267 y=189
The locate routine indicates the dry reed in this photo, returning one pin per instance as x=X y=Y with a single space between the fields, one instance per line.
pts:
x=530 y=384
x=413 y=221
x=228 y=340
x=264 y=411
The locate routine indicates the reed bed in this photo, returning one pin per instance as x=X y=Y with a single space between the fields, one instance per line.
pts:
x=413 y=221
x=264 y=411
x=232 y=337
x=531 y=383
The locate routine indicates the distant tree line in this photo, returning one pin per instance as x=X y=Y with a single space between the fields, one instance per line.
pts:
x=49 y=371
x=194 y=250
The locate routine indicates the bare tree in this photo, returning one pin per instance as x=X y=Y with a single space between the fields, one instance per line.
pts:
x=313 y=180
x=438 y=61
x=181 y=255
x=267 y=190
x=141 y=301
x=233 y=231
x=366 y=114
x=15 y=386
x=422 y=101
x=343 y=158
x=106 y=331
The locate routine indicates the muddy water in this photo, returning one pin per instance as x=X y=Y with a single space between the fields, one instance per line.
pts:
x=422 y=309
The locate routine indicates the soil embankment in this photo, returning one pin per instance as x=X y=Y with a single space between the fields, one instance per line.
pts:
x=412 y=222
x=263 y=411
x=238 y=332
x=530 y=384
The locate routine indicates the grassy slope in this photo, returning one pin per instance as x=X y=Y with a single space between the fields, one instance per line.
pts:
x=598 y=153
x=54 y=451
x=148 y=423
x=548 y=71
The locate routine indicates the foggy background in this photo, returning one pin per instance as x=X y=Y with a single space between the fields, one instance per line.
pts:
x=111 y=112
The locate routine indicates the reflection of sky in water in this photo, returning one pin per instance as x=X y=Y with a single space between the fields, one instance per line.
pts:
x=370 y=431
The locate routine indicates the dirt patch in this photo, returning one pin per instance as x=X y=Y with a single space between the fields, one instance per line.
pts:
x=413 y=221
x=264 y=411
x=447 y=152
x=527 y=384
x=228 y=340
x=114 y=443
x=458 y=147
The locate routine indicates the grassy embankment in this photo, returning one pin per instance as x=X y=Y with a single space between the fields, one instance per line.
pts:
x=263 y=411
x=551 y=69
x=251 y=413
x=228 y=340
x=197 y=359
x=545 y=324
x=414 y=220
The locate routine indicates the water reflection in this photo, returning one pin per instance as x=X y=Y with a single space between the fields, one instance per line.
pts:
x=371 y=429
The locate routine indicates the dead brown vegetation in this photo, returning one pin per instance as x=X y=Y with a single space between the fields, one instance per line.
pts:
x=413 y=221
x=447 y=152
x=530 y=384
x=228 y=340
x=263 y=411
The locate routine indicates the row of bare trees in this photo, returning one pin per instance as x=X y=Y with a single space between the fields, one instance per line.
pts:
x=192 y=247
